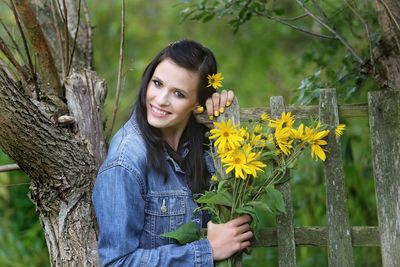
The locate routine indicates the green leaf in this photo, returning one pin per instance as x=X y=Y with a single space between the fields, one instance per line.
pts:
x=277 y=199
x=220 y=198
x=279 y=11
x=186 y=233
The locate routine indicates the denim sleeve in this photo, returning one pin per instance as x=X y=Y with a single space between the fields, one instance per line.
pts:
x=119 y=208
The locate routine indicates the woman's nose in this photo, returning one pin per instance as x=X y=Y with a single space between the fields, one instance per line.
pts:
x=162 y=98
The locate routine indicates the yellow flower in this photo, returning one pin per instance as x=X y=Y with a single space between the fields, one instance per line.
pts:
x=244 y=161
x=214 y=178
x=244 y=133
x=252 y=161
x=224 y=153
x=299 y=133
x=227 y=135
x=255 y=139
x=340 y=129
x=286 y=120
x=215 y=80
x=264 y=117
x=237 y=161
x=282 y=139
x=258 y=128
x=308 y=135
x=316 y=142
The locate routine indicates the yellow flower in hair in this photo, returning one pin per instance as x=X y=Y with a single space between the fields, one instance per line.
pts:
x=215 y=80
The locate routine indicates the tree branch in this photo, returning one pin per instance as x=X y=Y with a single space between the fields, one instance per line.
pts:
x=76 y=35
x=89 y=48
x=66 y=39
x=364 y=22
x=393 y=19
x=120 y=65
x=9 y=167
x=50 y=84
x=16 y=17
x=282 y=21
x=333 y=31
x=11 y=58
x=12 y=39
x=58 y=36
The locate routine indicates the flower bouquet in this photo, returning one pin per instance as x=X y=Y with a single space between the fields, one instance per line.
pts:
x=249 y=161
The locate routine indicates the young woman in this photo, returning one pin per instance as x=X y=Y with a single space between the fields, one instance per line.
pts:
x=156 y=162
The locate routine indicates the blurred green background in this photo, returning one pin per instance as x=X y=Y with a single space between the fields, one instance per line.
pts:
x=263 y=58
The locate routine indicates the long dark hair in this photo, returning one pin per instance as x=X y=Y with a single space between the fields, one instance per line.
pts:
x=193 y=57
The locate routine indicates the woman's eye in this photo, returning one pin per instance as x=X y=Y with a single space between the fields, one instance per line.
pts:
x=179 y=94
x=157 y=83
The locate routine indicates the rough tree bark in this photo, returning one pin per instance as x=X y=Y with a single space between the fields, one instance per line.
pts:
x=60 y=156
x=388 y=50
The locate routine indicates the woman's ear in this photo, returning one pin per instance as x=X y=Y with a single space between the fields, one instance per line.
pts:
x=198 y=109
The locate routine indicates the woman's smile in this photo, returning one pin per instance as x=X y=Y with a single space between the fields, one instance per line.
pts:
x=158 y=112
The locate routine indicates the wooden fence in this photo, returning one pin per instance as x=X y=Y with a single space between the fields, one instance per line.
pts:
x=339 y=236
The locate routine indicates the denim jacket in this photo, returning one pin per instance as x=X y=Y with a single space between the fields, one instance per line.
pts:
x=134 y=206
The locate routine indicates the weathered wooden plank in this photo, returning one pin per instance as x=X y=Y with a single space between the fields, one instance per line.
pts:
x=361 y=236
x=340 y=251
x=232 y=113
x=285 y=231
x=301 y=112
x=384 y=120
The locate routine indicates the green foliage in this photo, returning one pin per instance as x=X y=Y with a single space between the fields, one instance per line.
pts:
x=21 y=236
x=186 y=233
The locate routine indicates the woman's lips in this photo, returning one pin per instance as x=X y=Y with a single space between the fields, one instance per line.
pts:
x=158 y=112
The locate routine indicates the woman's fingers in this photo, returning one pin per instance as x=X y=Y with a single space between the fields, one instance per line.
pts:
x=243 y=228
x=230 y=97
x=245 y=236
x=210 y=108
x=217 y=103
x=216 y=99
x=241 y=220
x=223 y=100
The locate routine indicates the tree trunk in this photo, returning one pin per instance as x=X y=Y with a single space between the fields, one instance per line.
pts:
x=60 y=152
x=388 y=50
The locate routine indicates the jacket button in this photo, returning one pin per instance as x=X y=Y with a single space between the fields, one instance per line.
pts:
x=163 y=207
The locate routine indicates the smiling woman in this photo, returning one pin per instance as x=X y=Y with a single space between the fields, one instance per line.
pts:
x=157 y=161
x=171 y=98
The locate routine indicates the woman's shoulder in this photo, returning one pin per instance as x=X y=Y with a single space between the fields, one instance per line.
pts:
x=127 y=147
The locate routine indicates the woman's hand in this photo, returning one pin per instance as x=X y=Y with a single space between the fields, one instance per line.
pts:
x=228 y=238
x=217 y=103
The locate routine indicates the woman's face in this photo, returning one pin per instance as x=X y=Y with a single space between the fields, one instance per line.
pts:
x=171 y=97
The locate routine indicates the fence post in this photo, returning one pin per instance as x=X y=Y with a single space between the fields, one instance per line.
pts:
x=340 y=250
x=285 y=230
x=233 y=113
x=384 y=121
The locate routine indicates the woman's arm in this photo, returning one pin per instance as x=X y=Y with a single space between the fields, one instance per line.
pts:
x=119 y=207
